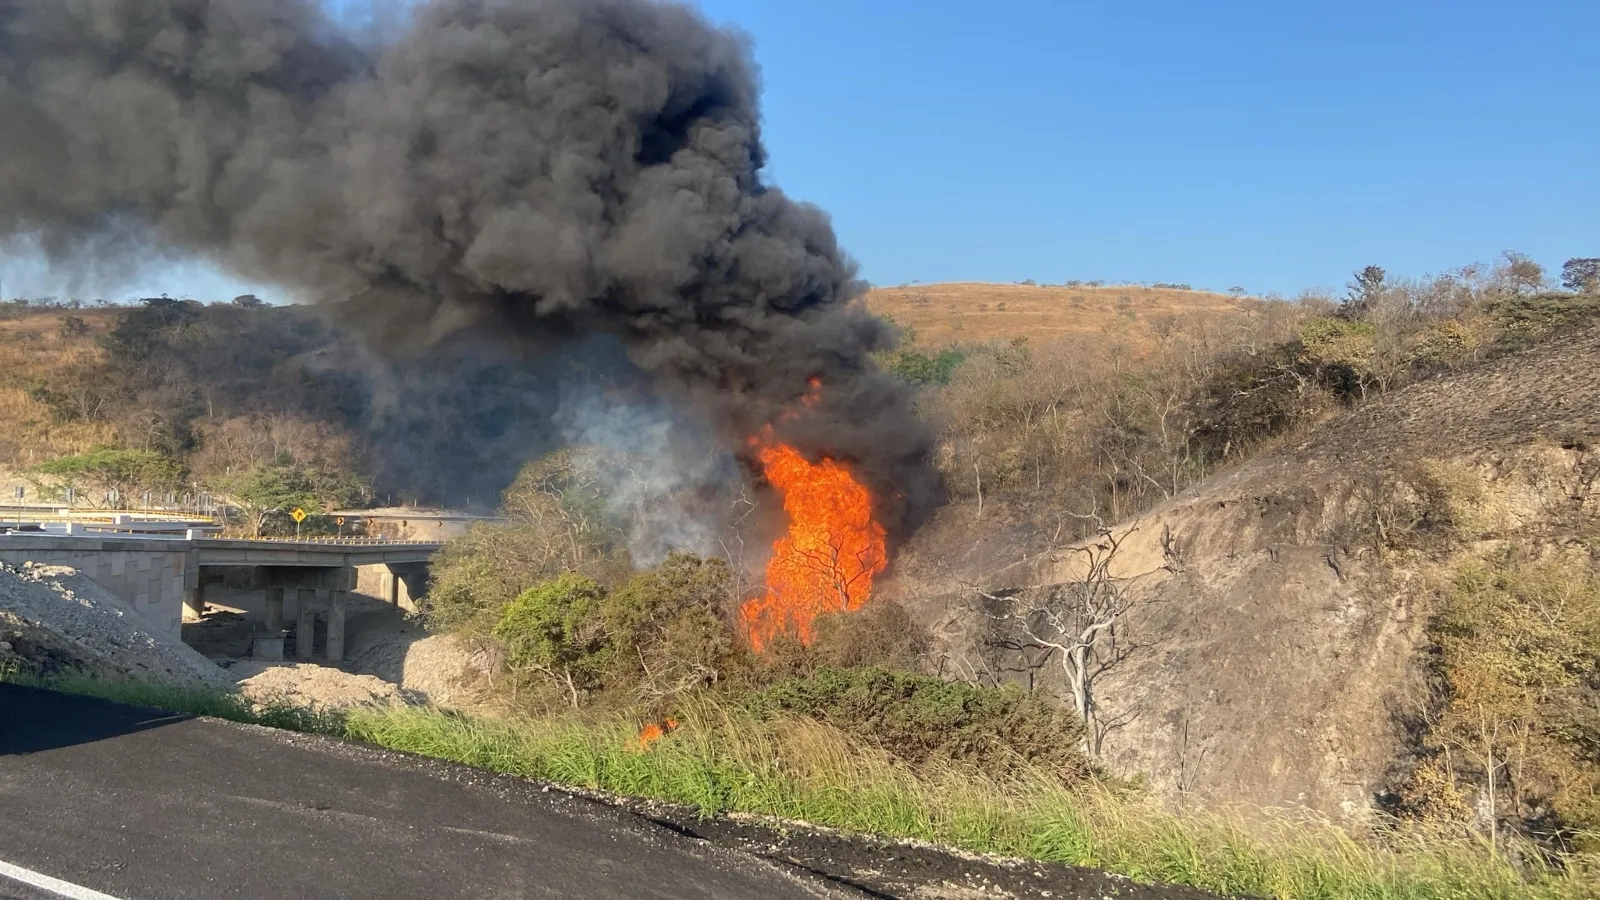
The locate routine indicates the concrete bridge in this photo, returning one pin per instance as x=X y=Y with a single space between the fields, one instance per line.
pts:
x=166 y=576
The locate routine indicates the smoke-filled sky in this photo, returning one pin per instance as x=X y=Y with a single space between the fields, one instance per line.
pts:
x=531 y=173
x=1276 y=146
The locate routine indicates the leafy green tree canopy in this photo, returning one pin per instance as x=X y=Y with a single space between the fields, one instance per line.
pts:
x=106 y=469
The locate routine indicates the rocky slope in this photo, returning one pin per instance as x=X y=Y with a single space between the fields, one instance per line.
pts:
x=52 y=618
x=1278 y=610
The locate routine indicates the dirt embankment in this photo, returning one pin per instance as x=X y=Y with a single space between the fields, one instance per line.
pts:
x=1278 y=610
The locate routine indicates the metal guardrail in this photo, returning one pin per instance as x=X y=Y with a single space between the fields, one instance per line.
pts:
x=209 y=533
x=328 y=541
x=79 y=513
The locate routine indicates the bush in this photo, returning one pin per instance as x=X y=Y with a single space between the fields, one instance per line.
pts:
x=881 y=633
x=918 y=718
x=663 y=633
x=670 y=628
x=553 y=523
x=920 y=368
x=1517 y=663
x=555 y=630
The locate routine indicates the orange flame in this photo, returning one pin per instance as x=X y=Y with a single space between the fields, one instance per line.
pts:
x=655 y=731
x=827 y=561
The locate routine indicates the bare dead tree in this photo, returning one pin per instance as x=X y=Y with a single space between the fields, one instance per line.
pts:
x=1078 y=624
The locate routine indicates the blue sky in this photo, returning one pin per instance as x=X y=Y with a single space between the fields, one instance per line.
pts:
x=1274 y=145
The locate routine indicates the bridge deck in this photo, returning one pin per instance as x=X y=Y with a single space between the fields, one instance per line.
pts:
x=212 y=551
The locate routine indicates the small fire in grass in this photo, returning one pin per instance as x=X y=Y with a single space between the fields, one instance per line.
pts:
x=655 y=731
x=833 y=549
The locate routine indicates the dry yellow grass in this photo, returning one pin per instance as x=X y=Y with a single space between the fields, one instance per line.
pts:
x=969 y=312
x=33 y=352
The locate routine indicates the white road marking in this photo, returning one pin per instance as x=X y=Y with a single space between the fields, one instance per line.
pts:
x=50 y=885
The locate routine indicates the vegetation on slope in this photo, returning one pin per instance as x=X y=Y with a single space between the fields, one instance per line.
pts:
x=268 y=406
x=1123 y=420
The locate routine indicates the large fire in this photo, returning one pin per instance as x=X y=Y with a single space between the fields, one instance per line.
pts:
x=833 y=548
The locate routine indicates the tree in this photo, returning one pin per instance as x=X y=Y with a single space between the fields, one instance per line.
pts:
x=553 y=521
x=558 y=501
x=105 y=470
x=1581 y=274
x=1519 y=275
x=266 y=490
x=1364 y=292
x=1078 y=624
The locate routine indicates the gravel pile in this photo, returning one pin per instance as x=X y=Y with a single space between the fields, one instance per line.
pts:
x=58 y=607
x=436 y=667
x=320 y=688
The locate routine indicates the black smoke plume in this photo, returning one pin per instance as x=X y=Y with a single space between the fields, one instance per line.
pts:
x=538 y=170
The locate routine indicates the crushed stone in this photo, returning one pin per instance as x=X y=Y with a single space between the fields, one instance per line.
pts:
x=310 y=686
x=59 y=607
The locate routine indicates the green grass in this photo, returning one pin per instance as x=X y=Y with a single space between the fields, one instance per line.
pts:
x=723 y=760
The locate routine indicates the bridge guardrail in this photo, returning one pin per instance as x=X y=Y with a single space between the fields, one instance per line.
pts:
x=322 y=541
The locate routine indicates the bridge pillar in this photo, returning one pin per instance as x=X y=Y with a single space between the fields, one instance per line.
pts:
x=194 y=603
x=336 y=606
x=194 y=600
x=272 y=614
x=306 y=632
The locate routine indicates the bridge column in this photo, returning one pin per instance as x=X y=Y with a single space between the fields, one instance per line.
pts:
x=194 y=601
x=273 y=612
x=336 y=606
x=306 y=633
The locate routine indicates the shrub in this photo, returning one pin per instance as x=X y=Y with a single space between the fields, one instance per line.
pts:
x=71 y=327
x=554 y=630
x=919 y=368
x=918 y=718
x=670 y=629
x=881 y=633
x=1518 y=713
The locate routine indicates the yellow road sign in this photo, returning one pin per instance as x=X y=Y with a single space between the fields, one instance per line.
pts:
x=340 y=520
x=299 y=515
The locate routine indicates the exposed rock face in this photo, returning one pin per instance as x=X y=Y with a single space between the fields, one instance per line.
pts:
x=1279 y=609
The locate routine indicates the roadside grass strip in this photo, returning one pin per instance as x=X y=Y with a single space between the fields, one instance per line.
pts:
x=722 y=759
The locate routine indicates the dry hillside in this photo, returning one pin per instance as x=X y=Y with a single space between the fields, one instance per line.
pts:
x=46 y=349
x=1280 y=608
x=945 y=314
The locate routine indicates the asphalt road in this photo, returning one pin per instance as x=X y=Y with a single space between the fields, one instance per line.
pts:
x=137 y=805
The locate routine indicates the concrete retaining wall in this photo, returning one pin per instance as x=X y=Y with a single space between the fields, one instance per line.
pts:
x=150 y=582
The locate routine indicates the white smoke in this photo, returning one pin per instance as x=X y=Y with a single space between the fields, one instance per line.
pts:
x=668 y=483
